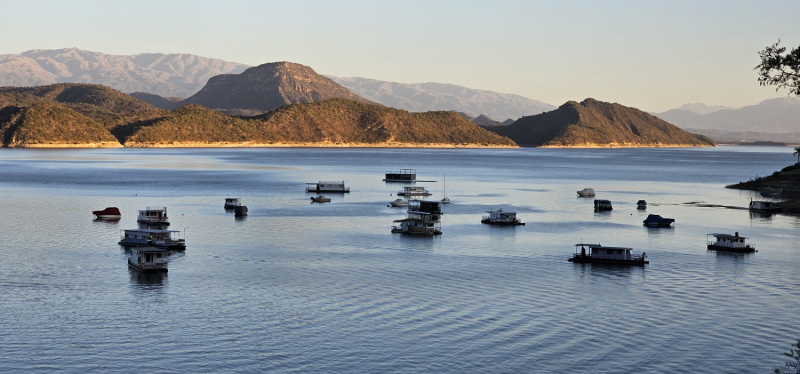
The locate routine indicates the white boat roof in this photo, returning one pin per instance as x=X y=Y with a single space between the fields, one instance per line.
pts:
x=151 y=230
x=593 y=245
x=500 y=211
x=727 y=236
x=149 y=248
x=329 y=182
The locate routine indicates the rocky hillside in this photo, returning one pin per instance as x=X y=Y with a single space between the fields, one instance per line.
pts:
x=593 y=123
x=49 y=124
x=163 y=74
x=421 y=97
x=92 y=100
x=267 y=87
x=332 y=122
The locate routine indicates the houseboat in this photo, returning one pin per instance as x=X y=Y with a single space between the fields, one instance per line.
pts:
x=402 y=176
x=399 y=203
x=600 y=205
x=424 y=218
x=763 y=206
x=154 y=215
x=596 y=253
x=240 y=211
x=641 y=204
x=320 y=199
x=586 y=192
x=232 y=202
x=148 y=259
x=327 y=187
x=413 y=191
x=654 y=220
x=108 y=213
x=499 y=217
x=730 y=243
x=168 y=239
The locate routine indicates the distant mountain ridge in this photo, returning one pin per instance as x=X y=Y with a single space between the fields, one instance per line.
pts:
x=781 y=115
x=702 y=109
x=594 y=123
x=163 y=74
x=421 y=97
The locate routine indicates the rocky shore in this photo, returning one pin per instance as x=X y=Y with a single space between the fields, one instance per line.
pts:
x=785 y=184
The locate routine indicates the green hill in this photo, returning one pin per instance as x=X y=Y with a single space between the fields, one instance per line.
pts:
x=593 y=123
x=47 y=124
x=332 y=122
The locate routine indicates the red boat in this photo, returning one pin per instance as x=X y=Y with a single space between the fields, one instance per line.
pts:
x=107 y=213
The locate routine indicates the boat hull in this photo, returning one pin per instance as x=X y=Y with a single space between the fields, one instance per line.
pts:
x=146 y=270
x=590 y=260
x=400 y=231
x=175 y=247
x=712 y=247
x=108 y=216
x=490 y=222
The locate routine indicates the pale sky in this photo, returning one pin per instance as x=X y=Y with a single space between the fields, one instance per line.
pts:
x=652 y=55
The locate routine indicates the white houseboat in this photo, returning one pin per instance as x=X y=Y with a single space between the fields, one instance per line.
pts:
x=232 y=202
x=499 y=217
x=601 y=205
x=169 y=239
x=586 y=192
x=414 y=191
x=154 y=215
x=402 y=176
x=730 y=243
x=424 y=218
x=327 y=187
x=763 y=206
x=148 y=259
x=596 y=253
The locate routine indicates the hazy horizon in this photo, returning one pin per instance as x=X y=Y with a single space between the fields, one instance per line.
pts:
x=651 y=55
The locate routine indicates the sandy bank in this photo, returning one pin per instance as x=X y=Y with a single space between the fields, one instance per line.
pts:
x=312 y=145
x=624 y=145
x=67 y=145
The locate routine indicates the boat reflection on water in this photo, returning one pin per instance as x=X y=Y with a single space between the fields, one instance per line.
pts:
x=655 y=232
x=240 y=218
x=109 y=221
x=761 y=216
x=147 y=281
x=606 y=270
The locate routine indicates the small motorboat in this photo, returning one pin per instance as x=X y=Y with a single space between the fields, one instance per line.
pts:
x=641 y=204
x=586 y=192
x=446 y=200
x=108 y=213
x=399 y=203
x=769 y=191
x=321 y=199
x=654 y=220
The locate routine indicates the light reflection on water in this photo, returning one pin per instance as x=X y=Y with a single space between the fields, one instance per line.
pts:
x=296 y=286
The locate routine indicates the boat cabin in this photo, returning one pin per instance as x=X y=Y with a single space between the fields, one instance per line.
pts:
x=500 y=217
x=416 y=191
x=654 y=220
x=586 y=252
x=424 y=218
x=763 y=206
x=404 y=175
x=232 y=202
x=602 y=204
x=726 y=242
x=108 y=213
x=148 y=259
x=157 y=238
x=322 y=186
x=154 y=214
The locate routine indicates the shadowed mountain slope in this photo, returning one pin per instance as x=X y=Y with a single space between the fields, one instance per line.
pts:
x=267 y=87
x=593 y=123
x=49 y=124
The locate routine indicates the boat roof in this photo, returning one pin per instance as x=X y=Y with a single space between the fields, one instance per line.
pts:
x=593 y=246
x=151 y=230
x=427 y=201
x=403 y=171
x=328 y=182
x=727 y=236
x=149 y=248
x=154 y=208
x=601 y=200
x=500 y=211
x=232 y=198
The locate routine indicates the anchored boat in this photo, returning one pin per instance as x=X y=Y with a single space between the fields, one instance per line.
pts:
x=154 y=215
x=424 y=218
x=600 y=205
x=148 y=259
x=414 y=191
x=108 y=213
x=399 y=203
x=596 y=253
x=402 y=176
x=320 y=199
x=327 y=187
x=499 y=217
x=654 y=220
x=586 y=192
x=167 y=239
x=763 y=206
x=641 y=204
x=232 y=202
x=730 y=243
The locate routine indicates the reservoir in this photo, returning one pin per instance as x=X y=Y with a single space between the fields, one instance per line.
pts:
x=296 y=286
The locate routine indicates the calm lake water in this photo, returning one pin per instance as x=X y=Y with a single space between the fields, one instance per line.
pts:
x=326 y=288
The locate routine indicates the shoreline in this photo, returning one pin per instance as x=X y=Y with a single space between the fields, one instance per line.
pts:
x=294 y=145
x=625 y=145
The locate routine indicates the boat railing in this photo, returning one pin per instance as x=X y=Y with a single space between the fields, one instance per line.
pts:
x=633 y=257
x=730 y=245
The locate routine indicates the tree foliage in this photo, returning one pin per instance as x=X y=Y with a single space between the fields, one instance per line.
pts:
x=794 y=364
x=797 y=153
x=779 y=69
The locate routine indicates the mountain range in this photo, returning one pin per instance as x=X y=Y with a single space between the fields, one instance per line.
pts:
x=165 y=75
x=763 y=121
x=420 y=97
x=593 y=123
